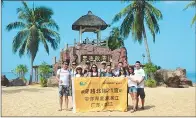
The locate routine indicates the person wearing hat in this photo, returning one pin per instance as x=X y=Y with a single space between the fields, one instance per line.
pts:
x=79 y=71
x=64 y=79
x=102 y=70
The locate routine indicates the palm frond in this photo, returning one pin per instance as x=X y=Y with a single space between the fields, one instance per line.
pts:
x=15 y=25
x=194 y=20
x=157 y=13
x=43 y=14
x=123 y=13
x=126 y=25
x=51 y=33
x=51 y=24
x=23 y=48
x=18 y=39
x=43 y=40
x=191 y=4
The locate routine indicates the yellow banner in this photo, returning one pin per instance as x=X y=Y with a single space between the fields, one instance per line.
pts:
x=100 y=94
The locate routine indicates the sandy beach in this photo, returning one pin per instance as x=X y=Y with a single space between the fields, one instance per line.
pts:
x=38 y=101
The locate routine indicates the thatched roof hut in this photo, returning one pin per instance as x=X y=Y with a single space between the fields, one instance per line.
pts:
x=89 y=21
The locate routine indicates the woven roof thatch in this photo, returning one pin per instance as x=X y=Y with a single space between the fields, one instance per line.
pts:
x=89 y=20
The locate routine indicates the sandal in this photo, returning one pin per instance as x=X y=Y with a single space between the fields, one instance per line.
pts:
x=60 y=110
x=133 y=110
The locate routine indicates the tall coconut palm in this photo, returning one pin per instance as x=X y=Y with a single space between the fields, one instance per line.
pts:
x=137 y=15
x=192 y=4
x=115 y=40
x=36 y=26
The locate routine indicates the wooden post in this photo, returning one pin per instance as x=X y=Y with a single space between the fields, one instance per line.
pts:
x=80 y=35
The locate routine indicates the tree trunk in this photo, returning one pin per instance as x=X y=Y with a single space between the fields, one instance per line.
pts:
x=146 y=46
x=31 y=74
x=147 y=52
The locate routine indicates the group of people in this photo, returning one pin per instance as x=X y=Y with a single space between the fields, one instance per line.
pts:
x=135 y=78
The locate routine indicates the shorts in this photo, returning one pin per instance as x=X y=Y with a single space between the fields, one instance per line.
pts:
x=141 y=93
x=132 y=89
x=64 y=90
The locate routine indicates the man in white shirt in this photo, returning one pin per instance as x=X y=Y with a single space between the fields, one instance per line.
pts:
x=140 y=88
x=64 y=79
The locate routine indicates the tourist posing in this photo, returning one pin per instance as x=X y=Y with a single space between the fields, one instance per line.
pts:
x=79 y=71
x=94 y=71
x=108 y=72
x=122 y=73
x=118 y=69
x=87 y=69
x=102 y=70
x=72 y=70
x=140 y=90
x=132 y=87
x=64 y=79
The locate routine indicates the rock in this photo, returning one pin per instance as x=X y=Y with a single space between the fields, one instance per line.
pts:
x=172 y=78
x=4 y=81
x=52 y=82
x=184 y=86
x=81 y=50
x=17 y=82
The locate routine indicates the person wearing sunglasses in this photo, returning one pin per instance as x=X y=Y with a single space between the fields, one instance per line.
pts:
x=94 y=71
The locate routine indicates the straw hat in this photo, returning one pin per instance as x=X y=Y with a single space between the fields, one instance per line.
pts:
x=78 y=67
x=103 y=62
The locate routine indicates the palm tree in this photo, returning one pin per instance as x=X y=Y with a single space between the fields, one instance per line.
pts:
x=136 y=15
x=115 y=40
x=21 y=70
x=192 y=4
x=36 y=26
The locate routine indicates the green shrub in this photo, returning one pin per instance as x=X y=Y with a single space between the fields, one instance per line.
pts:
x=43 y=82
x=150 y=83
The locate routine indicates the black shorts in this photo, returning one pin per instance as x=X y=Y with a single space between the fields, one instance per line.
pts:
x=141 y=93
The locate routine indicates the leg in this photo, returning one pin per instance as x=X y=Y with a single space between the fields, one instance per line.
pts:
x=66 y=102
x=134 y=95
x=142 y=96
x=61 y=103
x=137 y=98
x=60 y=97
x=66 y=94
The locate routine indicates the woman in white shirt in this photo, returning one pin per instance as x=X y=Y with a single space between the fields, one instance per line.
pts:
x=79 y=72
x=132 y=87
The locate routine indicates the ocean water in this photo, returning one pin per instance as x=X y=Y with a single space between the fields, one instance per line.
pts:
x=190 y=75
x=11 y=75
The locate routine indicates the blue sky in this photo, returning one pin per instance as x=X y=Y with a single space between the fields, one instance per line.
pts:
x=174 y=46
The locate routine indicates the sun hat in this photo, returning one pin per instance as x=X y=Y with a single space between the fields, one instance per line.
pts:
x=87 y=62
x=103 y=62
x=94 y=66
x=78 y=67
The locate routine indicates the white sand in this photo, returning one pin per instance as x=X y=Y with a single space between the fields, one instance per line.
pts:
x=38 y=101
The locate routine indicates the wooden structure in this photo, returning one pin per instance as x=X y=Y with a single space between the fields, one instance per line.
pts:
x=89 y=23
